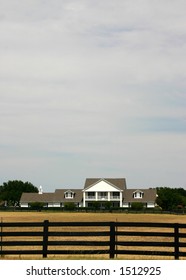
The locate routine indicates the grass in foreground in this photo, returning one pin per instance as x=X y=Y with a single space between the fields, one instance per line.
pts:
x=91 y=217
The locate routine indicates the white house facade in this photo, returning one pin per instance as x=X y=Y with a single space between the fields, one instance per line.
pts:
x=96 y=190
x=103 y=190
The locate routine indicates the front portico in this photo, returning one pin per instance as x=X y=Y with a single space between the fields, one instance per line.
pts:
x=102 y=191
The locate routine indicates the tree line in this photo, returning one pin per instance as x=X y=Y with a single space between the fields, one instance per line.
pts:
x=171 y=198
x=167 y=198
x=11 y=191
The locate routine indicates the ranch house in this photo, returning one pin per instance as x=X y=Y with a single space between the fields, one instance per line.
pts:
x=102 y=190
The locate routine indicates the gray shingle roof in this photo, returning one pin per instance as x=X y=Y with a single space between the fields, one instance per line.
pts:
x=59 y=195
x=36 y=197
x=118 y=182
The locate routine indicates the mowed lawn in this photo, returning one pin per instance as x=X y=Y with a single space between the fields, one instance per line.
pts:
x=93 y=217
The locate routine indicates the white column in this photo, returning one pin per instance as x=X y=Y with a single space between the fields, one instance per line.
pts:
x=108 y=196
x=120 y=199
x=96 y=196
x=83 y=199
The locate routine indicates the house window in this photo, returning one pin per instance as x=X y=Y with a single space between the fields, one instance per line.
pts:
x=102 y=195
x=90 y=195
x=138 y=194
x=115 y=195
x=69 y=194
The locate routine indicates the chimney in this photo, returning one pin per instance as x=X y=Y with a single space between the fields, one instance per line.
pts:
x=40 y=190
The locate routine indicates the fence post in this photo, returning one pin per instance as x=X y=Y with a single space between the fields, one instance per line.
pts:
x=176 y=241
x=112 y=240
x=45 y=238
x=1 y=248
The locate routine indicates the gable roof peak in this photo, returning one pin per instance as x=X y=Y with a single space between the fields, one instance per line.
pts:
x=117 y=182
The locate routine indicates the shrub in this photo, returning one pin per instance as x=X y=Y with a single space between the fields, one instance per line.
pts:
x=137 y=206
x=70 y=206
x=96 y=205
x=107 y=205
x=36 y=205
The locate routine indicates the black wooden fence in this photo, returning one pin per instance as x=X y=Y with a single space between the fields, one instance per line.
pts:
x=90 y=238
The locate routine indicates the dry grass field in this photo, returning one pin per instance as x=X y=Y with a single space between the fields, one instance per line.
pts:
x=90 y=217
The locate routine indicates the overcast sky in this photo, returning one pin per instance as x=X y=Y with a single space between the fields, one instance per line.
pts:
x=93 y=89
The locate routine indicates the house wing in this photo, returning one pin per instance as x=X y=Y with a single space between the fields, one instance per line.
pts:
x=149 y=195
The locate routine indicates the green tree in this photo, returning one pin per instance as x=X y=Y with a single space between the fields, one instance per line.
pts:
x=170 y=198
x=12 y=190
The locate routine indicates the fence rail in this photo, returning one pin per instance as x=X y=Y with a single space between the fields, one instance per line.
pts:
x=89 y=238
